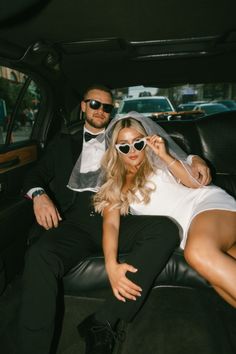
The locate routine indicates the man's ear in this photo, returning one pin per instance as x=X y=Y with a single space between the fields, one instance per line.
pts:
x=83 y=106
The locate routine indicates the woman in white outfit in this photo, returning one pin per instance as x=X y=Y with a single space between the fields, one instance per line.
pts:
x=143 y=175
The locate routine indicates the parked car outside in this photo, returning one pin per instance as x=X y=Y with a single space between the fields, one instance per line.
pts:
x=228 y=103
x=211 y=108
x=148 y=106
x=189 y=106
x=186 y=107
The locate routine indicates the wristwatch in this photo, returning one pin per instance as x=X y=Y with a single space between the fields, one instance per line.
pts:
x=38 y=192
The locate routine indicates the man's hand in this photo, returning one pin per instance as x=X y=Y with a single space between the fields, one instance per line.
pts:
x=122 y=287
x=200 y=170
x=46 y=212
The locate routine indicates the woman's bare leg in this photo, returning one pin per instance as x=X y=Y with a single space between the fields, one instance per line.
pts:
x=232 y=251
x=225 y=296
x=211 y=250
x=229 y=299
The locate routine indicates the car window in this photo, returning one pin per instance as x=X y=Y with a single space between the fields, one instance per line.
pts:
x=19 y=106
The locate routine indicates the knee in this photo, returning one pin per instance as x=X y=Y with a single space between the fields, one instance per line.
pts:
x=199 y=256
x=171 y=231
x=42 y=255
x=38 y=248
x=166 y=231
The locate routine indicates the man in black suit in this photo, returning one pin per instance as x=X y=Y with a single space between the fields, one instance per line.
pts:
x=61 y=187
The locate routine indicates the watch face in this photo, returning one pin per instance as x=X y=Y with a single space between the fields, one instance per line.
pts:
x=38 y=193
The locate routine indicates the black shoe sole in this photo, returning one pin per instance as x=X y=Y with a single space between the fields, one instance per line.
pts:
x=81 y=328
x=84 y=326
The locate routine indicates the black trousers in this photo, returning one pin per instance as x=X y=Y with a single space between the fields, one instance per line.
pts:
x=149 y=240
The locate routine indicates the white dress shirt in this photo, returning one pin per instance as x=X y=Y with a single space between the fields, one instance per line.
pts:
x=92 y=154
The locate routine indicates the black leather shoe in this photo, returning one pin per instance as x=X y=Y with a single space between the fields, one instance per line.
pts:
x=99 y=337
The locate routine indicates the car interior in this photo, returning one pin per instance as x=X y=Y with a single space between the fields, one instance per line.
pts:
x=50 y=52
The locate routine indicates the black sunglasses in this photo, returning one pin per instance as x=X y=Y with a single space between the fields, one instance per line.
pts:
x=94 y=104
x=125 y=148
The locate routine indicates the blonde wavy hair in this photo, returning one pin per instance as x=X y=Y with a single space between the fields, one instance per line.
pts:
x=110 y=193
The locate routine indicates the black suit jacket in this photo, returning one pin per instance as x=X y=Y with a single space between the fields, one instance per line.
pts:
x=54 y=169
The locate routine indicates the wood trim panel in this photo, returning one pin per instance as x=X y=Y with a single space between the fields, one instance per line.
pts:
x=24 y=156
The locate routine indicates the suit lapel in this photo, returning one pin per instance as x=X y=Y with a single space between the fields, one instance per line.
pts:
x=76 y=145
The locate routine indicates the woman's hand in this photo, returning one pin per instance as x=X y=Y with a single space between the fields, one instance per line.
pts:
x=157 y=144
x=122 y=287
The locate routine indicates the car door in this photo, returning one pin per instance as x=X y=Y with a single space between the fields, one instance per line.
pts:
x=20 y=102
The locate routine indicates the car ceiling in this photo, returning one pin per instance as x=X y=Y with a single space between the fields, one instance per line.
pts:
x=154 y=42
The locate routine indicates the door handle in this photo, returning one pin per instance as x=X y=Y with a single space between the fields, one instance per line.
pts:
x=10 y=163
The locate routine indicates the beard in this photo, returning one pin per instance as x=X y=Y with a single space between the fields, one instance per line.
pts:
x=98 y=122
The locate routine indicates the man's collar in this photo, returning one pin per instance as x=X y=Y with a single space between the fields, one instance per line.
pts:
x=89 y=131
x=98 y=136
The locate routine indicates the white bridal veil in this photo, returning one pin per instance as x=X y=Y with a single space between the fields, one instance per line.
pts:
x=93 y=180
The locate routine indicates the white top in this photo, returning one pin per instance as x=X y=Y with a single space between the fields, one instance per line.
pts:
x=181 y=203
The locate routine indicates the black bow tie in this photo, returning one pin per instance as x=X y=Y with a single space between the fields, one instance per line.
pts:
x=88 y=136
